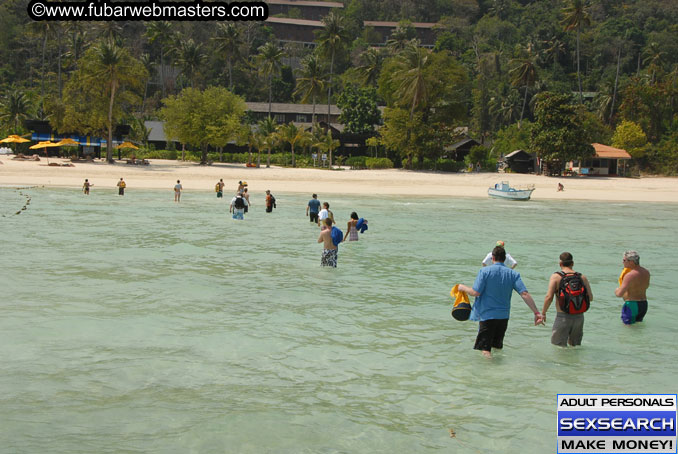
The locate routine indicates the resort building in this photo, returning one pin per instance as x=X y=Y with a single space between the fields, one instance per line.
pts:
x=607 y=161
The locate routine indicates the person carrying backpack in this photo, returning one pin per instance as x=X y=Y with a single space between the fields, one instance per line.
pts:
x=573 y=297
x=270 y=201
x=238 y=204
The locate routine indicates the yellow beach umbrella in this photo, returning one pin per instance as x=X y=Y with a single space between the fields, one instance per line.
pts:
x=128 y=145
x=45 y=145
x=68 y=142
x=14 y=139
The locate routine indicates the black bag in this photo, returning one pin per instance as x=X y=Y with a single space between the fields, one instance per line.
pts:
x=572 y=295
x=239 y=202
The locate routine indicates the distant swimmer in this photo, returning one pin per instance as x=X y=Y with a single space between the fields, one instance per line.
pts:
x=270 y=201
x=633 y=283
x=177 y=191
x=219 y=188
x=313 y=208
x=351 y=229
x=85 y=187
x=121 y=187
x=573 y=297
x=492 y=289
x=510 y=261
x=330 y=249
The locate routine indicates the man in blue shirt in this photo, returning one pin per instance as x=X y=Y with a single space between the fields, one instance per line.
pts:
x=313 y=208
x=493 y=288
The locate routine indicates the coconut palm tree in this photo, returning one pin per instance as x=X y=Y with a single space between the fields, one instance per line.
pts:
x=576 y=17
x=229 y=41
x=654 y=58
x=114 y=68
x=269 y=62
x=267 y=131
x=190 y=57
x=162 y=33
x=332 y=38
x=311 y=81
x=327 y=144
x=370 y=66
x=293 y=135
x=14 y=108
x=523 y=74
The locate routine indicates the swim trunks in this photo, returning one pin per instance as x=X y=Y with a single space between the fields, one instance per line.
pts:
x=633 y=311
x=219 y=194
x=238 y=213
x=313 y=217
x=567 y=328
x=491 y=334
x=329 y=258
x=353 y=234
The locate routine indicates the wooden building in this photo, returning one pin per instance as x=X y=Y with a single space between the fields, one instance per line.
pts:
x=607 y=161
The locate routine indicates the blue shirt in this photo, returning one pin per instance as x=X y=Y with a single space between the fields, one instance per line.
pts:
x=314 y=206
x=495 y=284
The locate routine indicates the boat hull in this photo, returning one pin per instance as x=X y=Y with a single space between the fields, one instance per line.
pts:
x=513 y=194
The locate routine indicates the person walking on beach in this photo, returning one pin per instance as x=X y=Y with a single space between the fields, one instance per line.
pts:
x=177 y=191
x=220 y=188
x=85 y=187
x=270 y=201
x=121 y=187
x=510 y=261
x=237 y=207
x=492 y=289
x=313 y=208
x=568 y=326
x=246 y=196
x=633 y=284
x=325 y=213
x=329 y=255
x=351 y=229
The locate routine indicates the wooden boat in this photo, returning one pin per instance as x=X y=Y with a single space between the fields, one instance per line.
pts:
x=504 y=191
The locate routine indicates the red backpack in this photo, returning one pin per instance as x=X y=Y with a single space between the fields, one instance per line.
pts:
x=572 y=295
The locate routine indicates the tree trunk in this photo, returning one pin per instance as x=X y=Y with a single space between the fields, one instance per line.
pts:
x=581 y=98
x=258 y=157
x=42 y=79
x=270 y=93
x=522 y=112
x=230 y=76
x=162 y=72
x=203 y=155
x=59 y=62
x=109 y=151
x=293 y=162
x=616 y=80
x=313 y=115
x=329 y=89
x=268 y=158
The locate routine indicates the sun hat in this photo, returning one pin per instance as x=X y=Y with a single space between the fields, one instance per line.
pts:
x=500 y=243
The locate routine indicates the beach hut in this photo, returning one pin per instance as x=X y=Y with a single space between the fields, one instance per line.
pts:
x=520 y=161
x=459 y=150
x=607 y=161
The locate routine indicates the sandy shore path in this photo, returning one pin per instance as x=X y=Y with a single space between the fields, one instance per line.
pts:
x=162 y=174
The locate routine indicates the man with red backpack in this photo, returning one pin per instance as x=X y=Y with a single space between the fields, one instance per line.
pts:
x=573 y=298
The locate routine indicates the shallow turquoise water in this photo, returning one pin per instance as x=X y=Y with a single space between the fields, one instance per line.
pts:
x=138 y=325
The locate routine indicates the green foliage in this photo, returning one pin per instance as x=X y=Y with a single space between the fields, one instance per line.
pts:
x=512 y=138
x=630 y=137
x=558 y=134
x=378 y=163
x=356 y=162
x=663 y=157
x=359 y=112
x=202 y=118
x=480 y=155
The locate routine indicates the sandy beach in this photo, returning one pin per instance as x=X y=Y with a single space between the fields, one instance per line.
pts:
x=162 y=174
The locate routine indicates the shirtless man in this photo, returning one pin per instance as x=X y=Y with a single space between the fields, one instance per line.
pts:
x=567 y=328
x=632 y=289
x=329 y=257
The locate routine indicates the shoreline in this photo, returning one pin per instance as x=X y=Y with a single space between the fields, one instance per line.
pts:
x=162 y=174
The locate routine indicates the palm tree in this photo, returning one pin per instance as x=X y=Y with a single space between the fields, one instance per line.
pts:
x=14 y=108
x=114 y=68
x=327 y=144
x=413 y=85
x=370 y=66
x=553 y=50
x=161 y=32
x=332 y=37
x=654 y=58
x=267 y=131
x=229 y=41
x=576 y=17
x=524 y=74
x=293 y=135
x=268 y=61
x=190 y=57
x=311 y=81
